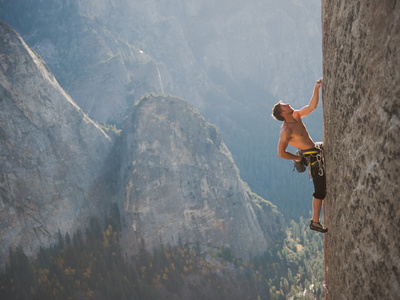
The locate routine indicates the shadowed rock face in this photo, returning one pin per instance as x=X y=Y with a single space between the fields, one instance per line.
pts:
x=361 y=95
x=179 y=181
x=50 y=155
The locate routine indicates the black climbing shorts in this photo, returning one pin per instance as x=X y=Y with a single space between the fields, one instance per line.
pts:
x=318 y=175
x=319 y=183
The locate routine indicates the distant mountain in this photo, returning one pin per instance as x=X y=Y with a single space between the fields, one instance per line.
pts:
x=178 y=181
x=168 y=170
x=51 y=154
x=232 y=60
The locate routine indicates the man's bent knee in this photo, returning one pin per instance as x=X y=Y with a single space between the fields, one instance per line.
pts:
x=319 y=195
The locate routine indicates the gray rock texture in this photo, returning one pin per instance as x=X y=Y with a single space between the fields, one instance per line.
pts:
x=361 y=94
x=179 y=182
x=169 y=170
x=51 y=153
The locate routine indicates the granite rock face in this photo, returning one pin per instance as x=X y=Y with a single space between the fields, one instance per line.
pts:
x=51 y=153
x=361 y=93
x=179 y=182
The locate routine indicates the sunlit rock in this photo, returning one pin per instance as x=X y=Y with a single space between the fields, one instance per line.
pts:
x=362 y=130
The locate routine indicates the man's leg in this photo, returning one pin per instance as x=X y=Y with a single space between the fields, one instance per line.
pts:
x=317 y=206
x=319 y=192
x=319 y=180
x=315 y=224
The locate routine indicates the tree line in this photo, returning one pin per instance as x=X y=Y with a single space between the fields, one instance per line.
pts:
x=90 y=264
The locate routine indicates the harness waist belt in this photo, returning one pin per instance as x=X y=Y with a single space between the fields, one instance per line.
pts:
x=312 y=152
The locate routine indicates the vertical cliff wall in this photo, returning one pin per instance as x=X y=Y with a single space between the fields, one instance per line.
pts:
x=51 y=153
x=361 y=98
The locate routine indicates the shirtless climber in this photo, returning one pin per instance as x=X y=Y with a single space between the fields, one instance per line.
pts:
x=310 y=154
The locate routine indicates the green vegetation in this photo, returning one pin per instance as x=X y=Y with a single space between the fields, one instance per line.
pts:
x=296 y=269
x=93 y=266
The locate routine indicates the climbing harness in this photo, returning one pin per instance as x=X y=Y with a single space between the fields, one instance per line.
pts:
x=312 y=156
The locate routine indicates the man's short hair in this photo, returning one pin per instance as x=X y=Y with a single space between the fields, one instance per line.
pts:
x=276 y=111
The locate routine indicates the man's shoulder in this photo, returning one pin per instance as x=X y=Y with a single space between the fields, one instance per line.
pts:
x=285 y=130
x=296 y=115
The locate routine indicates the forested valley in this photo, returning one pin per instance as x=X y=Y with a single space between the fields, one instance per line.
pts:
x=90 y=264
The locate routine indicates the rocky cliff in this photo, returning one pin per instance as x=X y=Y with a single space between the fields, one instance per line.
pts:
x=361 y=58
x=231 y=60
x=51 y=153
x=179 y=182
x=169 y=170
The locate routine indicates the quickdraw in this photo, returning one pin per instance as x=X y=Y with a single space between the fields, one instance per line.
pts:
x=320 y=159
x=320 y=165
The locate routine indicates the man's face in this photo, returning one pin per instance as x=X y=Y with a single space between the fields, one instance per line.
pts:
x=286 y=109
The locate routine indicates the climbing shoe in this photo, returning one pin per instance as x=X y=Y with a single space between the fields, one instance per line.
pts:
x=318 y=227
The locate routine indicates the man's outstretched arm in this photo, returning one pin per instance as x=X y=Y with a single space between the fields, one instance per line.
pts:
x=306 y=110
